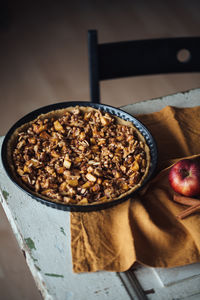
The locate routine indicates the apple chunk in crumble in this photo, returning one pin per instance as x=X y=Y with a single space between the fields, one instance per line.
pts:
x=80 y=155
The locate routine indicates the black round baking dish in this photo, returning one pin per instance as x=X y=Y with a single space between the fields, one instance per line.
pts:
x=106 y=108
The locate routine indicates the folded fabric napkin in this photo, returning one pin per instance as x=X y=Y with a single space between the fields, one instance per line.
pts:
x=145 y=229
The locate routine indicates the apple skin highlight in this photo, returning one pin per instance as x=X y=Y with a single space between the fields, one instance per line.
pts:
x=184 y=177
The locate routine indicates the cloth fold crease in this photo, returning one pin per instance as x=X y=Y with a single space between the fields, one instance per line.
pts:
x=145 y=229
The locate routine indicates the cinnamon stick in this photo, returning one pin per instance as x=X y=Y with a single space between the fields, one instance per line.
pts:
x=185 y=200
x=188 y=211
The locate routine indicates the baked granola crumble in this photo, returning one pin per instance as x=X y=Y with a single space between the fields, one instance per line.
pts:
x=80 y=156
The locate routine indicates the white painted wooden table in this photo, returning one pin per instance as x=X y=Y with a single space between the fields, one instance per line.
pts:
x=43 y=234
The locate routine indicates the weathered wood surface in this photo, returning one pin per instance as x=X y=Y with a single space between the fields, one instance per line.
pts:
x=43 y=234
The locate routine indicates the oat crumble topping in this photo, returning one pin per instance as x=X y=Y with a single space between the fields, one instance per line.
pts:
x=81 y=157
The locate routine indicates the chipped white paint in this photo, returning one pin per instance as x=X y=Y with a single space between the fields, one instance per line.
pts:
x=186 y=99
x=43 y=234
x=174 y=275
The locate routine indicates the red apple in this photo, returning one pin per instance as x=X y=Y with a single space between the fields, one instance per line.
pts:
x=184 y=177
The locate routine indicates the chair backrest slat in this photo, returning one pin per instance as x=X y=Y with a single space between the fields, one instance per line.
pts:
x=147 y=57
x=140 y=57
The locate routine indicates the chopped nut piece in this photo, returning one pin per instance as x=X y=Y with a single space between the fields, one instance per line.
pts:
x=27 y=169
x=138 y=157
x=116 y=174
x=83 y=201
x=69 y=200
x=135 y=166
x=50 y=170
x=47 y=192
x=44 y=135
x=95 y=188
x=21 y=144
x=90 y=177
x=45 y=184
x=99 y=180
x=125 y=186
x=86 y=185
x=87 y=116
x=123 y=168
x=60 y=170
x=63 y=186
x=109 y=191
x=82 y=136
x=72 y=182
x=55 y=154
x=134 y=179
x=58 y=126
x=93 y=162
x=95 y=148
x=81 y=147
x=98 y=172
x=39 y=128
x=34 y=162
x=32 y=140
x=90 y=169
x=120 y=138
x=20 y=171
x=67 y=163
x=77 y=160
x=92 y=141
x=104 y=121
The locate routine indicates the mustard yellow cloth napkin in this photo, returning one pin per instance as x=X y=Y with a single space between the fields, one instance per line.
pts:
x=145 y=229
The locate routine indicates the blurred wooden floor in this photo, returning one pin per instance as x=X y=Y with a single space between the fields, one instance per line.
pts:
x=43 y=59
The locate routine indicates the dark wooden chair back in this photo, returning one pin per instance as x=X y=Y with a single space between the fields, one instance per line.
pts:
x=139 y=57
